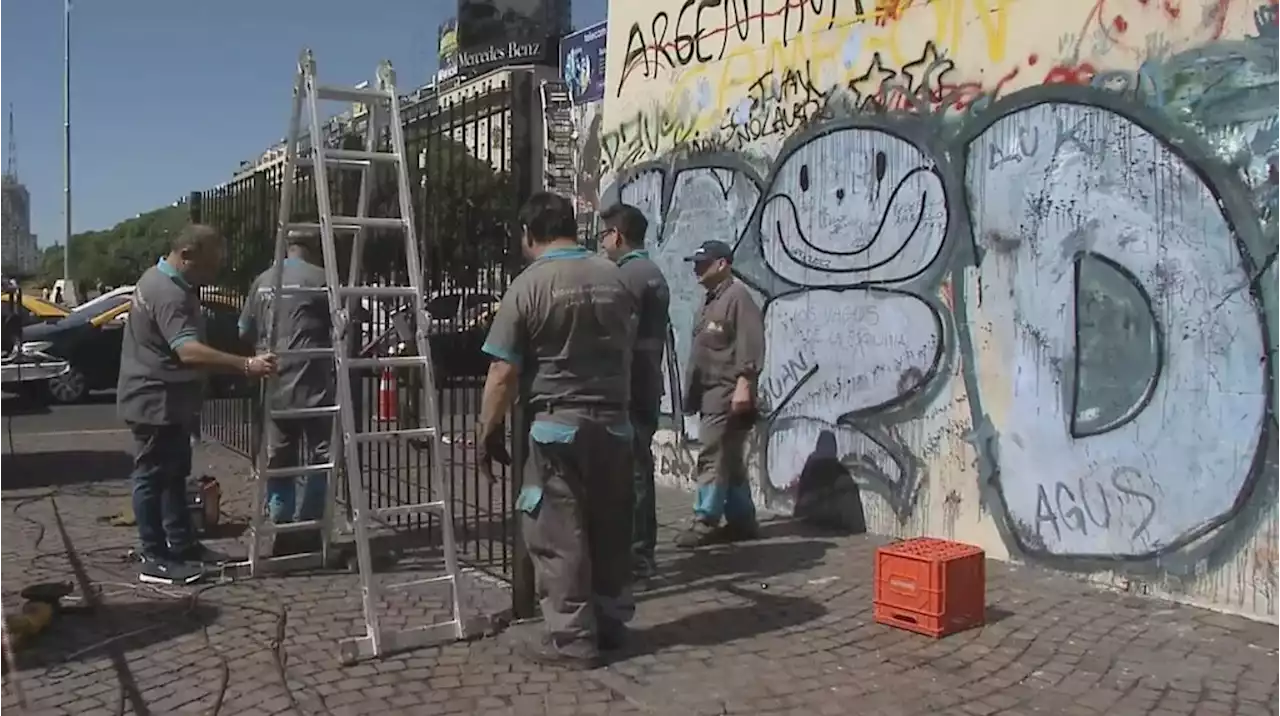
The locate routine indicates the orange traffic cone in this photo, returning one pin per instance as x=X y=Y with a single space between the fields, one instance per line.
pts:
x=388 y=398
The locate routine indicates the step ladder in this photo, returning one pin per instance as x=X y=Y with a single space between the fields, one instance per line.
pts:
x=383 y=120
x=559 y=139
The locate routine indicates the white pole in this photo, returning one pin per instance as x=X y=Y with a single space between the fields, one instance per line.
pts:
x=67 y=290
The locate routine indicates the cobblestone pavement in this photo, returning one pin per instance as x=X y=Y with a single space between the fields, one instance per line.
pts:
x=779 y=626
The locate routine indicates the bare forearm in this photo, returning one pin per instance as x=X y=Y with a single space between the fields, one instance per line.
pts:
x=499 y=392
x=198 y=355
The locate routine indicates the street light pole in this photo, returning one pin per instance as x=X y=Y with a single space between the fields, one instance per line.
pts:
x=66 y=149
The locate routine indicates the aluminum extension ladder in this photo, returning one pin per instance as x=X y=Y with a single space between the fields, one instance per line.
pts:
x=383 y=109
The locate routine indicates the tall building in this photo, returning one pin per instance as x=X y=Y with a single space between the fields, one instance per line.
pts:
x=18 y=254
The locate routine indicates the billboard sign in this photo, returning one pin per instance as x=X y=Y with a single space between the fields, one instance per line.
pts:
x=493 y=33
x=582 y=63
x=447 y=50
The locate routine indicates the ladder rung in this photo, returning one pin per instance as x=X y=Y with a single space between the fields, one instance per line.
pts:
x=351 y=94
x=304 y=412
x=403 y=434
x=378 y=291
x=388 y=362
x=302 y=290
x=268 y=527
x=296 y=471
x=418 y=582
x=359 y=155
x=430 y=508
x=352 y=223
x=305 y=353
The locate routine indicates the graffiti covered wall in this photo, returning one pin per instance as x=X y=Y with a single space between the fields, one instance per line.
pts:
x=1017 y=263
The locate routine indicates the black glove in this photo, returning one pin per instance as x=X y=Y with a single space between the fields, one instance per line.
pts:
x=492 y=448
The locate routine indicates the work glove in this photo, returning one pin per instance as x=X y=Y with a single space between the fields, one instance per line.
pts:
x=492 y=448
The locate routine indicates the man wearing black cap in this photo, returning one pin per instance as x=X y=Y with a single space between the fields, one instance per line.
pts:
x=728 y=353
x=303 y=383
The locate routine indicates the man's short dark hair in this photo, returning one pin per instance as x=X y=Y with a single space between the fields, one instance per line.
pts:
x=628 y=221
x=194 y=236
x=549 y=217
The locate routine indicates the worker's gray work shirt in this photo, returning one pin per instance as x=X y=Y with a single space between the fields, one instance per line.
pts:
x=568 y=324
x=728 y=343
x=154 y=386
x=304 y=323
x=652 y=296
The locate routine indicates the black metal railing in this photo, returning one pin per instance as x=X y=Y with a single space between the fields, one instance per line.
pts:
x=471 y=165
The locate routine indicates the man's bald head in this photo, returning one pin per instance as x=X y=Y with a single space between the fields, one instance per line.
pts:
x=194 y=236
x=196 y=252
x=303 y=243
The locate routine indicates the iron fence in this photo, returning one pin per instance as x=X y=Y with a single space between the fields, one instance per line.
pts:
x=471 y=166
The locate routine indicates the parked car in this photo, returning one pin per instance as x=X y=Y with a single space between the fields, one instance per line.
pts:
x=37 y=310
x=90 y=343
x=89 y=340
x=457 y=323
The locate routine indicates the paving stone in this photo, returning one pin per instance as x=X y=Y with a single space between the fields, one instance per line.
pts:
x=780 y=626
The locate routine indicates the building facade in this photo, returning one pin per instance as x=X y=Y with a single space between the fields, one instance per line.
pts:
x=20 y=254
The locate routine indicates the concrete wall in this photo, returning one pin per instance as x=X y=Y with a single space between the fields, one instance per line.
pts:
x=1016 y=259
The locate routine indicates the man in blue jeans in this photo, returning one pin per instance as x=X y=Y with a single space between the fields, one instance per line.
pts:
x=163 y=359
x=303 y=383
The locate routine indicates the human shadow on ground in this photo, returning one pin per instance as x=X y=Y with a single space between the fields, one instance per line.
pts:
x=25 y=470
x=84 y=634
x=767 y=612
x=785 y=546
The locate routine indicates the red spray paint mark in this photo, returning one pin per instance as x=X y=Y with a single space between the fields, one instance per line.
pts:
x=1034 y=58
x=1119 y=23
x=1067 y=75
x=1173 y=11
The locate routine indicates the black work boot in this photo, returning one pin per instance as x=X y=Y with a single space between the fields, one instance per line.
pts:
x=541 y=650
x=612 y=636
x=643 y=568
x=699 y=533
x=741 y=531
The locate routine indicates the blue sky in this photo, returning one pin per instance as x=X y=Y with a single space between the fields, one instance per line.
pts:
x=168 y=96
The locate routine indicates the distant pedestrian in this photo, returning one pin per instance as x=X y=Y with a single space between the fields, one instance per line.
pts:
x=623 y=241
x=163 y=359
x=728 y=353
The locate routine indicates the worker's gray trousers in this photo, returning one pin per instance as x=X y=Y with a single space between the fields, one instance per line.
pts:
x=576 y=506
x=724 y=489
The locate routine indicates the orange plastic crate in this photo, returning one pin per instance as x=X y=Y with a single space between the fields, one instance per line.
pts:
x=930 y=586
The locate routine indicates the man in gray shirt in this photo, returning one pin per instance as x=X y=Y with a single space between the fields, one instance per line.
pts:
x=623 y=241
x=303 y=383
x=564 y=332
x=163 y=358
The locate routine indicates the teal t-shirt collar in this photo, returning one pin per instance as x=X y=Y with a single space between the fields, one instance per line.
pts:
x=168 y=270
x=575 y=252
x=636 y=254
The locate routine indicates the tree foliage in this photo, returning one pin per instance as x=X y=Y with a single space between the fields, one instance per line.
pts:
x=118 y=255
x=464 y=209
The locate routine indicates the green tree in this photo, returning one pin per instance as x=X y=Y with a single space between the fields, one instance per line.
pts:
x=117 y=255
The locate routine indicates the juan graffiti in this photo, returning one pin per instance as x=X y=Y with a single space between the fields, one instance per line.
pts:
x=1089 y=272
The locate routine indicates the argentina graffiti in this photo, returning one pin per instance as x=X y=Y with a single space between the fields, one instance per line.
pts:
x=1058 y=278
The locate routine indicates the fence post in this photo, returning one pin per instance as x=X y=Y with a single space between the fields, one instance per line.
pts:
x=195 y=206
x=523 y=598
